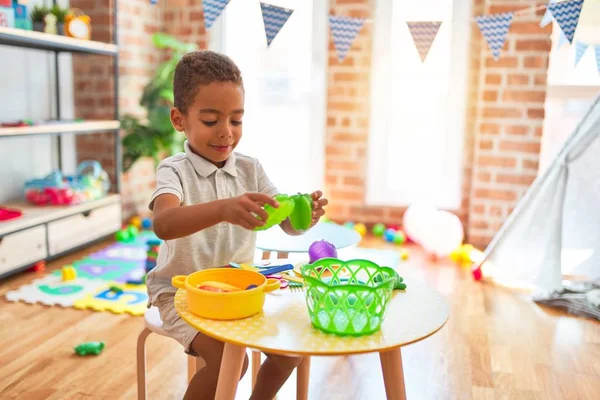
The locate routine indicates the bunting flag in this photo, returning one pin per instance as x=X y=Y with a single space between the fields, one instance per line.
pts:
x=212 y=10
x=580 y=49
x=566 y=13
x=494 y=28
x=597 y=50
x=344 y=30
x=547 y=15
x=423 y=34
x=274 y=18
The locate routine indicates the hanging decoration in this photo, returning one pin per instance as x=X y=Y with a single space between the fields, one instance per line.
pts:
x=423 y=34
x=580 y=49
x=547 y=18
x=494 y=28
x=566 y=14
x=212 y=10
x=274 y=18
x=597 y=51
x=344 y=31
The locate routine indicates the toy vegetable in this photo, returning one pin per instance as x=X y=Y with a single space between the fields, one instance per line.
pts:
x=86 y=348
x=298 y=208
x=301 y=216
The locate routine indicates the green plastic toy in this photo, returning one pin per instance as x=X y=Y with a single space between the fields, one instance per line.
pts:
x=296 y=207
x=86 y=348
x=348 y=297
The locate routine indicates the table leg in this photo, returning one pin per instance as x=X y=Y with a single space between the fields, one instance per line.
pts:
x=231 y=369
x=256 y=361
x=303 y=374
x=393 y=376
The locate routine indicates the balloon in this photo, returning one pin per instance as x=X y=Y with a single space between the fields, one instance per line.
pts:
x=445 y=234
x=416 y=221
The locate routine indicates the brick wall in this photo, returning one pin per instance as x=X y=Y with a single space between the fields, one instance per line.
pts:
x=504 y=122
x=509 y=121
x=138 y=59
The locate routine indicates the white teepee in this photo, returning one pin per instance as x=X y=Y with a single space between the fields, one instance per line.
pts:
x=555 y=228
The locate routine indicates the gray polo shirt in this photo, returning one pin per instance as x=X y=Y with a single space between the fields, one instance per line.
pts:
x=195 y=180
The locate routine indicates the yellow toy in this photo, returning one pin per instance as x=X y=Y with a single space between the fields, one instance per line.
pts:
x=466 y=255
x=404 y=255
x=361 y=229
x=136 y=221
x=69 y=273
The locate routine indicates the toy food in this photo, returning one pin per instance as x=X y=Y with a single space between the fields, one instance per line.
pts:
x=86 y=348
x=301 y=216
x=298 y=208
x=321 y=249
x=214 y=286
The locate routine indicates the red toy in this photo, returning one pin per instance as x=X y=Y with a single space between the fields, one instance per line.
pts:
x=9 y=213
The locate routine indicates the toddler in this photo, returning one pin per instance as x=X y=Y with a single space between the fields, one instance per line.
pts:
x=205 y=207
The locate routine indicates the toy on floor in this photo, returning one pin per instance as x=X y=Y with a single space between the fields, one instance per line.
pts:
x=90 y=182
x=361 y=229
x=321 y=249
x=93 y=348
x=136 y=221
x=378 y=229
x=68 y=273
x=146 y=223
x=127 y=234
x=39 y=266
x=349 y=225
x=298 y=208
x=404 y=255
x=152 y=254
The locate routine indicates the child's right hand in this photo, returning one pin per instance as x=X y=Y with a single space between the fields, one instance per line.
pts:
x=241 y=210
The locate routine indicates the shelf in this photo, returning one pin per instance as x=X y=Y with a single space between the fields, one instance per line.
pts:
x=47 y=41
x=36 y=215
x=60 y=127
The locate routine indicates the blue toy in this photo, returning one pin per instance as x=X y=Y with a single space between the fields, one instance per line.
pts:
x=349 y=225
x=389 y=235
x=146 y=223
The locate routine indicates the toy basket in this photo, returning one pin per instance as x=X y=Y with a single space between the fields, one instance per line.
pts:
x=347 y=297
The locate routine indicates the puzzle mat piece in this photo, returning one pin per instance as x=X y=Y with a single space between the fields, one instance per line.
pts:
x=142 y=238
x=132 y=300
x=51 y=290
x=107 y=270
x=120 y=251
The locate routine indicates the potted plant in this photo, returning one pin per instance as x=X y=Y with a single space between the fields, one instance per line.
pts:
x=154 y=136
x=37 y=17
x=60 y=14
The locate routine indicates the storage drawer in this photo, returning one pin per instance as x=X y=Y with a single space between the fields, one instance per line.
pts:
x=79 y=229
x=22 y=248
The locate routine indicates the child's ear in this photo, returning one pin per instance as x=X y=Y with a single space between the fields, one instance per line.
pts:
x=177 y=119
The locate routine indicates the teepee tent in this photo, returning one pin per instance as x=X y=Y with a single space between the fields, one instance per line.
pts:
x=555 y=228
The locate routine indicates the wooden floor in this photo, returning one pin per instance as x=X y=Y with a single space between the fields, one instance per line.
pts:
x=496 y=345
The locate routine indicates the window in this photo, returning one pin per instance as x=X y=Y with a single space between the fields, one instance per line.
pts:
x=418 y=109
x=284 y=125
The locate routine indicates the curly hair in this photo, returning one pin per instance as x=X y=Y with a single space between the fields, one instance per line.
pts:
x=199 y=68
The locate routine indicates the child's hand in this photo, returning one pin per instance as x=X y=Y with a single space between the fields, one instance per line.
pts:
x=318 y=203
x=240 y=210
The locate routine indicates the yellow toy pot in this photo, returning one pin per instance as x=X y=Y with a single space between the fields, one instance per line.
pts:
x=230 y=305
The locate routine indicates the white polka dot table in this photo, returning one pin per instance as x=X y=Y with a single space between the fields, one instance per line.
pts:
x=283 y=327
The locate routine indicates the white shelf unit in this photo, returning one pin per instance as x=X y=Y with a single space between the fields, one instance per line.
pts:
x=46 y=232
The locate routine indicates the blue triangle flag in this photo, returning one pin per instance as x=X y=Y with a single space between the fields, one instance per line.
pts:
x=212 y=10
x=494 y=28
x=344 y=31
x=597 y=51
x=566 y=13
x=580 y=49
x=274 y=18
x=547 y=15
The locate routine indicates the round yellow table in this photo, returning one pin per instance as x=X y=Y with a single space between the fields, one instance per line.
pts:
x=284 y=327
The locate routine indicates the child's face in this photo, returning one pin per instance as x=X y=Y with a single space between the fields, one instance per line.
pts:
x=213 y=122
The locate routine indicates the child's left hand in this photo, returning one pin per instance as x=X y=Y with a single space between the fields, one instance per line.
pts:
x=318 y=203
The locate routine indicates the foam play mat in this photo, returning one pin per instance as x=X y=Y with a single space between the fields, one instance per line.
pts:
x=101 y=283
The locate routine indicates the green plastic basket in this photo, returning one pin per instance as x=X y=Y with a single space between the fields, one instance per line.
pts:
x=347 y=297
